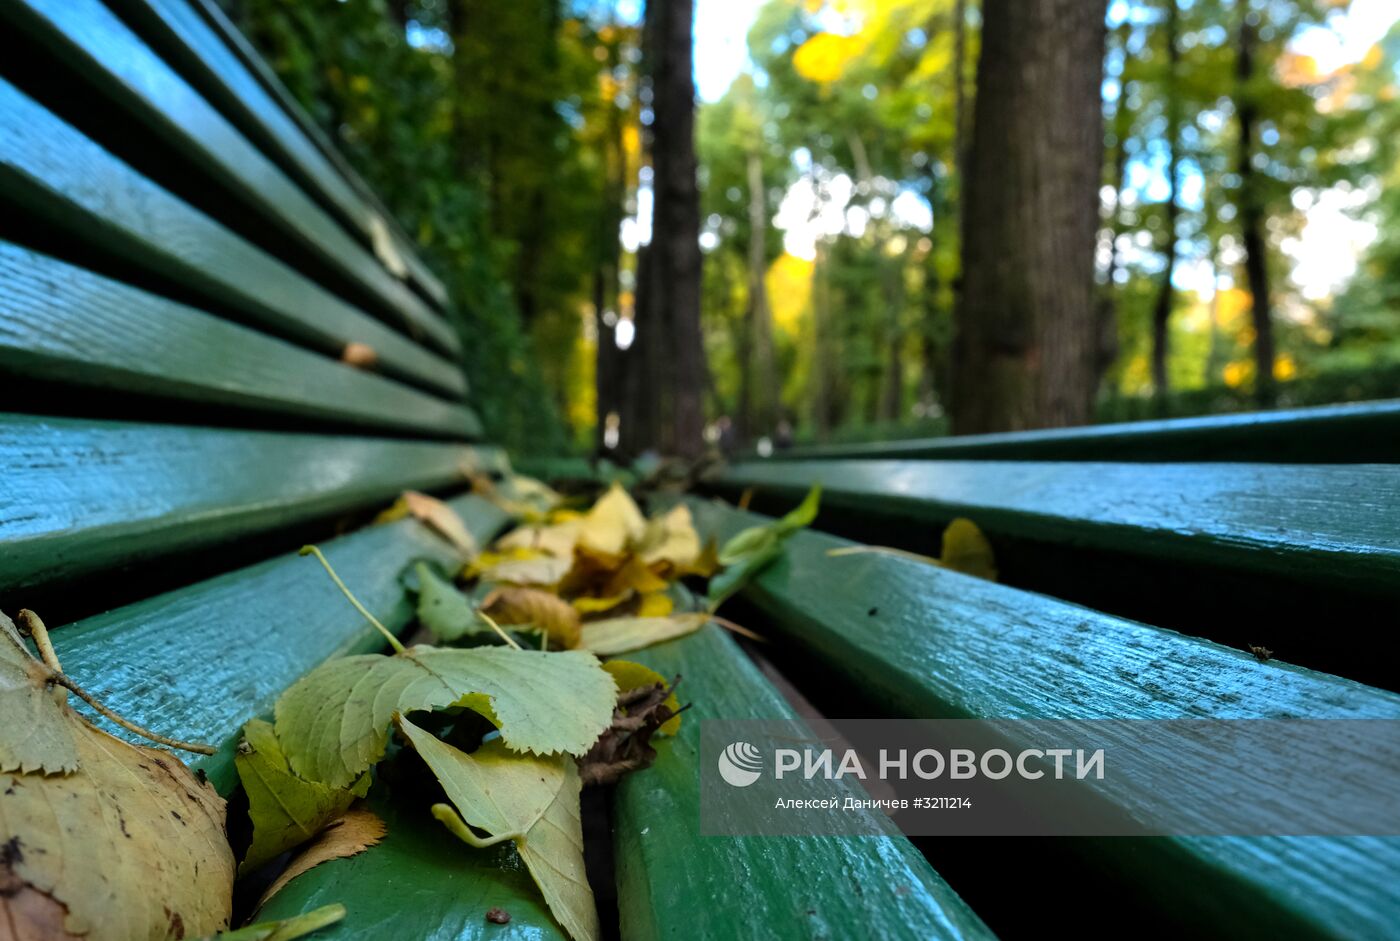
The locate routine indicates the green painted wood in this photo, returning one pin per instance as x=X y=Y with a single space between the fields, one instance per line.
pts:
x=673 y=883
x=1367 y=432
x=64 y=324
x=79 y=496
x=1334 y=525
x=574 y=468
x=201 y=660
x=120 y=69
x=52 y=170
x=920 y=641
x=421 y=883
x=423 y=279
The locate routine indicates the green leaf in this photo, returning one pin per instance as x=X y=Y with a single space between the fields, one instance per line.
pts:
x=286 y=810
x=553 y=852
x=750 y=550
x=619 y=635
x=36 y=734
x=334 y=722
x=494 y=789
x=447 y=613
x=287 y=928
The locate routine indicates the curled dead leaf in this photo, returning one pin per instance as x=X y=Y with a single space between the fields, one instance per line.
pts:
x=358 y=830
x=547 y=612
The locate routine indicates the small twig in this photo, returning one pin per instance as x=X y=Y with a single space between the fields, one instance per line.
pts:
x=884 y=550
x=738 y=628
x=127 y=724
x=497 y=628
x=388 y=634
x=32 y=625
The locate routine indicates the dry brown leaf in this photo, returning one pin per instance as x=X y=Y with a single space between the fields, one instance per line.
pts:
x=360 y=355
x=551 y=614
x=353 y=833
x=442 y=519
x=129 y=843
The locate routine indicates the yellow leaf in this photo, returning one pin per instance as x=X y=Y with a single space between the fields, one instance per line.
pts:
x=634 y=576
x=35 y=736
x=556 y=539
x=353 y=833
x=966 y=550
x=520 y=567
x=619 y=635
x=547 y=612
x=671 y=539
x=553 y=852
x=630 y=675
x=124 y=846
x=598 y=605
x=442 y=519
x=613 y=523
x=656 y=604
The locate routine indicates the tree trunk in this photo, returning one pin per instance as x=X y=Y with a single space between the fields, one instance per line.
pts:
x=676 y=227
x=1256 y=262
x=1025 y=330
x=821 y=374
x=761 y=380
x=608 y=365
x=1162 y=308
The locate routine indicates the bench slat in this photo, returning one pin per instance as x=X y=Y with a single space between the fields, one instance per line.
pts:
x=52 y=170
x=1337 y=525
x=182 y=38
x=672 y=883
x=421 y=883
x=202 y=660
x=1367 y=432
x=78 y=496
x=64 y=324
x=214 y=16
x=117 y=65
x=943 y=645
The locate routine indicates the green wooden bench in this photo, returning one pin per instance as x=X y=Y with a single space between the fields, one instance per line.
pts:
x=183 y=263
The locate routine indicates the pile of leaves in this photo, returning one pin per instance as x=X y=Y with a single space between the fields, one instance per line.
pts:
x=502 y=719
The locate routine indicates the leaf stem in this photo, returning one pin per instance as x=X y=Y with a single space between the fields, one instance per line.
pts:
x=453 y=821
x=68 y=684
x=884 y=550
x=388 y=634
x=497 y=628
x=738 y=629
x=31 y=624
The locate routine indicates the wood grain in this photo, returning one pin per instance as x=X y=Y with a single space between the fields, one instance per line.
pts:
x=920 y=641
x=120 y=68
x=673 y=883
x=50 y=169
x=64 y=324
x=79 y=496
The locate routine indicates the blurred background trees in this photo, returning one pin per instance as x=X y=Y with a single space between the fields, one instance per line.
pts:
x=857 y=246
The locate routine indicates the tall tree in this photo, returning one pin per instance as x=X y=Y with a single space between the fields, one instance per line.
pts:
x=759 y=399
x=1251 y=208
x=1025 y=329
x=1162 y=307
x=675 y=245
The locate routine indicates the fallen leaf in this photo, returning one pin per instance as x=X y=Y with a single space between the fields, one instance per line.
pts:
x=612 y=524
x=634 y=575
x=334 y=722
x=520 y=567
x=752 y=549
x=287 y=928
x=587 y=605
x=360 y=355
x=619 y=635
x=630 y=675
x=356 y=831
x=494 y=789
x=442 y=519
x=286 y=810
x=671 y=539
x=656 y=604
x=966 y=550
x=556 y=539
x=128 y=842
x=35 y=736
x=546 y=612
x=553 y=852
x=447 y=613
x=626 y=746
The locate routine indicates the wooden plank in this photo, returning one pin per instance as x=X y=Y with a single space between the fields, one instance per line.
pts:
x=79 y=496
x=64 y=324
x=48 y=168
x=1333 y=525
x=203 y=659
x=1367 y=432
x=421 y=883
x=672 y=883
x=423 y=278
x=920 y=641
x=120 y=69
